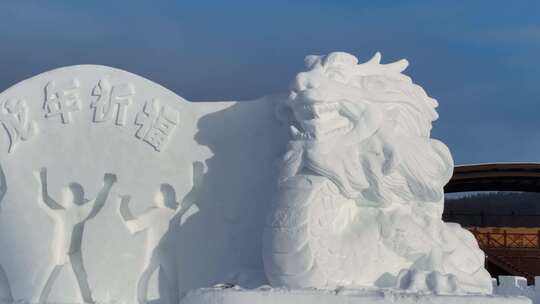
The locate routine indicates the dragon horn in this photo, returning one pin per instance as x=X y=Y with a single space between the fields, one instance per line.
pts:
x=375 y=62
x=376 y=59
x=398 y=66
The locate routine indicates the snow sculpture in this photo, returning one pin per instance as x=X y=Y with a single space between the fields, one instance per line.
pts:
x=361 y=188
x=359 y=200
x=84 y=121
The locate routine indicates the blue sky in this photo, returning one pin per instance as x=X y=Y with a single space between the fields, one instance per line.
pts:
x=480 y=59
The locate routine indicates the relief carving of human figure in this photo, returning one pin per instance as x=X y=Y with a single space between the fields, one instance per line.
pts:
x=5 y=290
x=158 y=221
x=361 y=195
x=70 y=215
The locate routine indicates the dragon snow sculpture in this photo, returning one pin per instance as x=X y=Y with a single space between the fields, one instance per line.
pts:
x=361 y=188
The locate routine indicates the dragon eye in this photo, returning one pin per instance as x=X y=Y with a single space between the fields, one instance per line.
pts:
x=337 y=76
x=374 y=84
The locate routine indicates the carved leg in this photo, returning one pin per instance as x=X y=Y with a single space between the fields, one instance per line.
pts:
x=82 y=278
x=53 y=274
x=142 y=285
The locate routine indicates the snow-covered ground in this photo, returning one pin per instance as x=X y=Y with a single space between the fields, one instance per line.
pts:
x=509 y=289
x=268 y=295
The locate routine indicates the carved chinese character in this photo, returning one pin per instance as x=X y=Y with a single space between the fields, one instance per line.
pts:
x=14 y=119
x=110 y=98
x=62 y=100
x=157 y=124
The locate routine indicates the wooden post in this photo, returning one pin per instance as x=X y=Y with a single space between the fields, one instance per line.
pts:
x=505 y=244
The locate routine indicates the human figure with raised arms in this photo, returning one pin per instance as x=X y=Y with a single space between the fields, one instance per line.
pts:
x=70 y=215
x=158 y=221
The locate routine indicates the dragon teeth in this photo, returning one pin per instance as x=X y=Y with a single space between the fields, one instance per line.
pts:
x=321 y=108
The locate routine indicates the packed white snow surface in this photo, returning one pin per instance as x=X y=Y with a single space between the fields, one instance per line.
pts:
x=106 y=176
x=268 y=295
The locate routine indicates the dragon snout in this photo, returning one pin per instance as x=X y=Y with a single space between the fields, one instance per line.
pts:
x=304 y=81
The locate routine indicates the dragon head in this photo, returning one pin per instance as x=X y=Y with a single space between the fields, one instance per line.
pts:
x=361 y=125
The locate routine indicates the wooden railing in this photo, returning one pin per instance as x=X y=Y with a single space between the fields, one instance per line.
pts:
x=486 y=219
x=506 y=239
